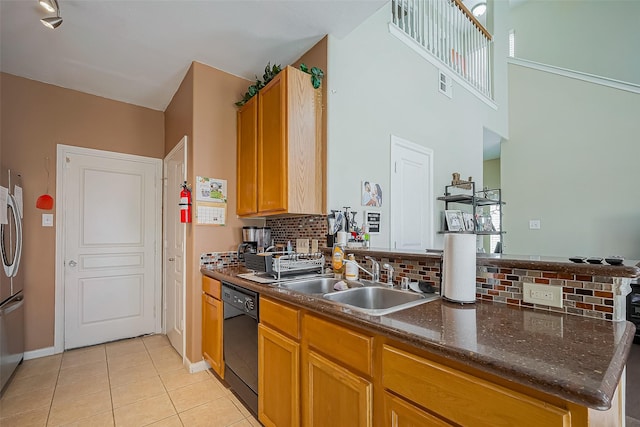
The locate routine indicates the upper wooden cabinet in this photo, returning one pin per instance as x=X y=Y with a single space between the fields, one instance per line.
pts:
x=281 y=159
x=247 y=167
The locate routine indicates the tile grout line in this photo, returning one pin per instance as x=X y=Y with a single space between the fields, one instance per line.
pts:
x=113 y=411
x=55 y=388
x=163 y=386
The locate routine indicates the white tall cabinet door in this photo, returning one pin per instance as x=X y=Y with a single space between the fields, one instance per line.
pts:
x=412 y=224
x=174 y=246
x=110 y=231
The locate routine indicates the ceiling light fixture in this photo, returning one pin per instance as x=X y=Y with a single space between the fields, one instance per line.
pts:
x=51 y=22
x=52 y=6
x=479 y=9
x=48 y=5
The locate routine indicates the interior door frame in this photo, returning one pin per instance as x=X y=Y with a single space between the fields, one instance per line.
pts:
x=182 y=144
x=61 y=153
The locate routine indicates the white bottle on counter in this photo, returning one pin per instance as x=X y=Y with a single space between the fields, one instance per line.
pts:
x=351 y=270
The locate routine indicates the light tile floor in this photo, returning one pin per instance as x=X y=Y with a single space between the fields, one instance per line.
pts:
x=130 y=383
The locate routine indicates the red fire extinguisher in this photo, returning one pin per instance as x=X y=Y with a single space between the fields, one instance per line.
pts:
x=185 y=203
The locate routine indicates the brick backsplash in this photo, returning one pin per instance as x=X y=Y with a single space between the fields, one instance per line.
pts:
x=427 y=270
x=284 y=229
x=582 y=295
x=219 y=259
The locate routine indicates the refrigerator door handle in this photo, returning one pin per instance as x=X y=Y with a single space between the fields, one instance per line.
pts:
x=12 y=305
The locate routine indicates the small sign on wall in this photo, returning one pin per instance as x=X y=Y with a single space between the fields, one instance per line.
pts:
x=372 y=218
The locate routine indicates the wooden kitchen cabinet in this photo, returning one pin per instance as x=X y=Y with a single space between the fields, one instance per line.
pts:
x=400 y=413
x=247 y=158
x=336 y=375
x=278 y=365
x=212 y=318
x=280 y=150
x=334 y=395
x=317 y=371
x=461 y=398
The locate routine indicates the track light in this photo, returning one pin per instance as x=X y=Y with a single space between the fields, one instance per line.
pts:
x=48 y=5
x=51 y=22
x=52 y=6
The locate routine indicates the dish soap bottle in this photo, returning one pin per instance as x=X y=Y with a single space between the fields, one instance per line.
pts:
x=351 y=269
x=337 y=260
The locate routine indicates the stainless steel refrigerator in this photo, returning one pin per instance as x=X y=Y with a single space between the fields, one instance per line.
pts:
x=11 y=275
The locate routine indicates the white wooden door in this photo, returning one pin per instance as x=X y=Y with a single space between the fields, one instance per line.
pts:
x=111 y=230
x=175 y=173
x=412 y=224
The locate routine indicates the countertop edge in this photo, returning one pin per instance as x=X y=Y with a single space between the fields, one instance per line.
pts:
x=599 y=399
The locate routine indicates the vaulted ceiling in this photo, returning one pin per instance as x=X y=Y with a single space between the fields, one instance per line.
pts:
x=138 y=51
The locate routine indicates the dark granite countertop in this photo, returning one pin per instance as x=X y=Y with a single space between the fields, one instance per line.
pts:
x=628 y=269
x=575 y=358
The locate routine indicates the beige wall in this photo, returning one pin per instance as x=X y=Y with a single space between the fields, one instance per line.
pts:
x=203 y=109
x=178 y=116
x=35 y=118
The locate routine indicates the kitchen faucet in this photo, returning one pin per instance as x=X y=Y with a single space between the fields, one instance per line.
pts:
x=389 y=274
x=375 y=269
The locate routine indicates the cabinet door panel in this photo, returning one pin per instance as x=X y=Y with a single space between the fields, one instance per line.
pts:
x=398 y=413
x=419 y=379
x=281 y=317
x=272 y=146
x=278 y=379
x=212 y=333
x=247 y=158
x=335 y=396
x=212 y=287
x=351 y=348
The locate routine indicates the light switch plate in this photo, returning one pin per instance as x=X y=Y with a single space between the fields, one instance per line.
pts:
x=47 y=220
x=534 y=224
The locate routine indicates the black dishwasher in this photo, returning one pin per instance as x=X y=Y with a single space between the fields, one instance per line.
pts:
x=240 y=337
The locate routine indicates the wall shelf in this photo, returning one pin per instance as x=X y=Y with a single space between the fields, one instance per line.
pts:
x=480 y=202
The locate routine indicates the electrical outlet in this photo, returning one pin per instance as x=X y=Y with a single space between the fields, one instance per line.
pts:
x=534 y=224
x=542 y=294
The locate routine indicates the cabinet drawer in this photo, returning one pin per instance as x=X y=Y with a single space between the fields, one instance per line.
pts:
x=349 y=347
x=211 y=287
x=282 y=317
x=463 y=398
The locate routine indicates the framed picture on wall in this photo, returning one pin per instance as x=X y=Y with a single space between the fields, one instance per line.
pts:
x=371 y=193
x=455 y=220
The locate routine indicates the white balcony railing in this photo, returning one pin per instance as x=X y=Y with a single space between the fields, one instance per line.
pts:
x=447 y=30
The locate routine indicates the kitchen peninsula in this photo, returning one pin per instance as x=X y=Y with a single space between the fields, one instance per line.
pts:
x=489 y=363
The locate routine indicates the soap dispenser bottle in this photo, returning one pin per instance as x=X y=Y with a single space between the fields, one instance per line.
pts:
x=351 y=269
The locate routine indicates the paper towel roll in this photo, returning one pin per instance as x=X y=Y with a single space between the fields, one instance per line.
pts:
x=459 y=267
x=342 y=237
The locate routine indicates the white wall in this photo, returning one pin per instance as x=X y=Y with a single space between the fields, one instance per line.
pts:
x=570 y=34
x=379 y=87
x=572 y=163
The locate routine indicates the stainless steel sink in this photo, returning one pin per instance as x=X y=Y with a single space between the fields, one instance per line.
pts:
x=378 y=301
x=320 y=285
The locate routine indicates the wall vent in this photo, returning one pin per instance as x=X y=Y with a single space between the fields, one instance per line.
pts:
x=444 y=84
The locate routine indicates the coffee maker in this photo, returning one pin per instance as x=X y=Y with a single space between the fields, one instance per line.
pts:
x=249 y=241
